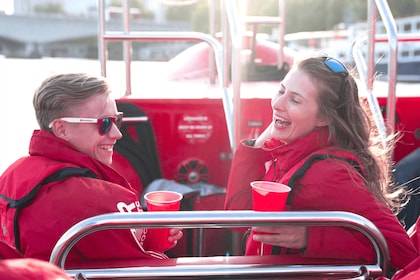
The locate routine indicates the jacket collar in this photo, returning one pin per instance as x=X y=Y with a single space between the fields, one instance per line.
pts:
x=288 y=154
x=44 y=143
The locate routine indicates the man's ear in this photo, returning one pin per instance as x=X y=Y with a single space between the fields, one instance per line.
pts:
x=59 y=129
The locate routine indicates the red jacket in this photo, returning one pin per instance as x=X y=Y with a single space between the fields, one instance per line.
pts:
x=412 y=270
x=29 y=269
x=60 y=205
x=328 y=185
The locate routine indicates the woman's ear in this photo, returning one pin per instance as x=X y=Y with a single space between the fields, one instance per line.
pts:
x=323 y=121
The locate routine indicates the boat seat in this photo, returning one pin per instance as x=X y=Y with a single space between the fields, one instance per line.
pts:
x=136 y=158
x=136 y=150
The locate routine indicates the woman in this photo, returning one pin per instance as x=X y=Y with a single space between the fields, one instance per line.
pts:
x=67 y=178
x=317 y=112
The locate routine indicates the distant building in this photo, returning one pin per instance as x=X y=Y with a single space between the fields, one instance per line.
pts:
x=79 y=8
x=29 y=34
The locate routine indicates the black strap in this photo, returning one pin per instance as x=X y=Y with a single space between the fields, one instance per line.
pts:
x=301 y=171
x=56 y=176
x=59 y=175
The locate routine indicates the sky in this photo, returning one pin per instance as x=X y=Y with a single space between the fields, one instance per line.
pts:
x=6 y=6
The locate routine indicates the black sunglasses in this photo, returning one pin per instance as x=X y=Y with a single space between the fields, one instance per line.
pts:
x=104 y=124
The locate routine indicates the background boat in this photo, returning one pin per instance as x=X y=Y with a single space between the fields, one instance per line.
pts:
x=339 y=42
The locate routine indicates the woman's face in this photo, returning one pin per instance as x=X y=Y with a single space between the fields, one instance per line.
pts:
x=85 y=137
x=295 y=107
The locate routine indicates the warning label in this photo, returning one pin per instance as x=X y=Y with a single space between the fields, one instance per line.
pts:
x=195 y=129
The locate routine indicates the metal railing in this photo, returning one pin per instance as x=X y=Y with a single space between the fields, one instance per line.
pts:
x=234 y=24
x=128 y=36
x=222 y=266
x=226 y=55
x=232 y=40
x=366 y=70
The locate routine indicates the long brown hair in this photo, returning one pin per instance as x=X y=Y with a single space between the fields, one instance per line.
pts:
x=351 y=126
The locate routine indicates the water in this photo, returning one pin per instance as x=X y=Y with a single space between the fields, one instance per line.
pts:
x=18 y=80
x=20 y=77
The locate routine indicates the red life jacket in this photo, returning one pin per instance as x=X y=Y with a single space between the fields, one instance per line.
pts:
x=15 y=205
x=290 y=179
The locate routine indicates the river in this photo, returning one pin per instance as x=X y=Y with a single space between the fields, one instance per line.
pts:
x=19 y=78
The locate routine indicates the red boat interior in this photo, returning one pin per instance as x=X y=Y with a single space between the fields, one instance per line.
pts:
x=215 y=100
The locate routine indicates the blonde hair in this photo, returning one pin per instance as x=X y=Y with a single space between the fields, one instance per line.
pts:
x=59 y=94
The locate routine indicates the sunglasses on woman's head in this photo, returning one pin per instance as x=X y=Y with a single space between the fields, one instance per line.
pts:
x=335 y=66
x=104 y=124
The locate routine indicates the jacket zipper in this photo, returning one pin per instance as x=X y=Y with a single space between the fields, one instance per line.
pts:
x=275 y=169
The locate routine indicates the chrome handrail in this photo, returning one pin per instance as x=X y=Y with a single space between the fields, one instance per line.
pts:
x=129 y=36
x=371 y=98
x=231 y=97
x=391 y=28
x=222 y=219
x=366 y=71
x=359 y=59
x=236 y=32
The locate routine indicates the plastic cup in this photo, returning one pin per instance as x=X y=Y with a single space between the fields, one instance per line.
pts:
x=162 y=201
x=269 y=196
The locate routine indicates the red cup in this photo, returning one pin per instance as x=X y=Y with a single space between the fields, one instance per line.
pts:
x=162 y=201
x=269 y=196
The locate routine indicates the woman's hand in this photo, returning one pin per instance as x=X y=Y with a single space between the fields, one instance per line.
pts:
x=294 y=237
x=265 y=135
